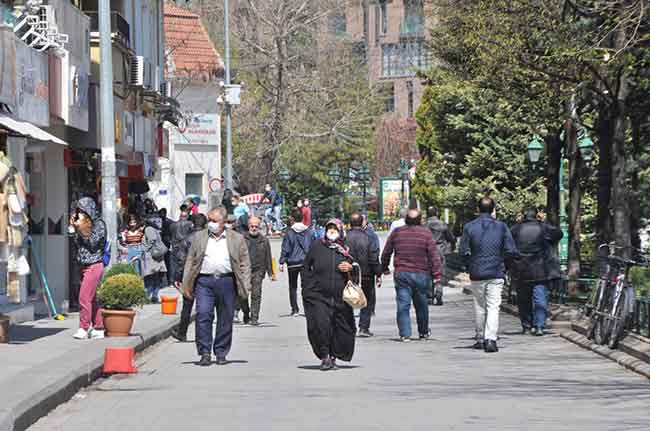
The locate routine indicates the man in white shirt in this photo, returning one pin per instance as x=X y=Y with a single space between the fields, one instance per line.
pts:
x=401 y=221
x=217 y=271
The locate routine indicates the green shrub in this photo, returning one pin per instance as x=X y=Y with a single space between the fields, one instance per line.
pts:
x=120 y=268
x=640 y=278
x=122 y=292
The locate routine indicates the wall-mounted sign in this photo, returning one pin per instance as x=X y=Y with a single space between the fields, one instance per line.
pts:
x=393 y=194
x=200 y=129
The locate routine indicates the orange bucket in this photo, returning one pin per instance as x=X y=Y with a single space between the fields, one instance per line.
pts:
x=168 y=304
x=119 y=360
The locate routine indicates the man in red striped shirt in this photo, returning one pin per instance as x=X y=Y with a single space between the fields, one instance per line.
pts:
x=416 y=263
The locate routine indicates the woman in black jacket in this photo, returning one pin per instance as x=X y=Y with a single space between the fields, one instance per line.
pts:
x=330 y=321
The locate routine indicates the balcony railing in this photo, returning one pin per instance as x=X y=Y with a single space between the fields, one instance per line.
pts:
x=119 y=26
x=412 y=27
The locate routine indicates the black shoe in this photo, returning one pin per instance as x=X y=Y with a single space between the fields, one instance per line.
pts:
x=539 y=332
x=333 y=365
x=247 y=320
x=525 y=331
x=176 y=333
x=325 y=365
x=255 y=322
x=439 y=300
x=491 y=346
x=222 y=361
x=206 y=360
x=425 y=336
x=479 y=345
x=430 y=301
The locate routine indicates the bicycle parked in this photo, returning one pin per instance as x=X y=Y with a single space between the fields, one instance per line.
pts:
x=612 y=304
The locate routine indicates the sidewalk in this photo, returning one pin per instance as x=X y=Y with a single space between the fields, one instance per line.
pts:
x=44 y=366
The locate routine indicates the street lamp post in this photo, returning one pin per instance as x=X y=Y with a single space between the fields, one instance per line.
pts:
x=284 y=176
x=585 y=148
x=335 y=175
x=404 y=175
x=364 y=177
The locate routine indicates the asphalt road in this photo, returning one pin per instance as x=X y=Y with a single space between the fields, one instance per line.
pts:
x=273 y=382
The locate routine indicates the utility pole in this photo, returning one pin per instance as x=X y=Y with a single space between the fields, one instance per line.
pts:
x=228 y=176
x=107 y=124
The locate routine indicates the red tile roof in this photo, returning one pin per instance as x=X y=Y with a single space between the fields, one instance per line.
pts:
x=190 y=51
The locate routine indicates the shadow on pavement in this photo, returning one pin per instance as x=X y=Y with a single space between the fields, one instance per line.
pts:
x=317 y=367
x=21 y=334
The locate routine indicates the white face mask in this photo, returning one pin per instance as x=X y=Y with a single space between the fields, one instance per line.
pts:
x=214 y=227
x=333 y=236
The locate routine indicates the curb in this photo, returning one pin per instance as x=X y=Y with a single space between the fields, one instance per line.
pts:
x=621 y=358
x=40 y=389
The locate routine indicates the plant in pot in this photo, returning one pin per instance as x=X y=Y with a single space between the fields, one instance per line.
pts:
x=119 y=268
x=118 y=295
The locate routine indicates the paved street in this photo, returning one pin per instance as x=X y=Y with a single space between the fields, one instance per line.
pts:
x=274 y=382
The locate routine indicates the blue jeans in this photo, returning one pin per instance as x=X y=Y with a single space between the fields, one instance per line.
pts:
x=275 y=213
x=412 y=286
x=214 y=293
x=153 y=283
x=532 y=300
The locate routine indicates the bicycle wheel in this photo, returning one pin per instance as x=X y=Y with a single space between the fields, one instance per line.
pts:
x=597 y=305
x=618 y=321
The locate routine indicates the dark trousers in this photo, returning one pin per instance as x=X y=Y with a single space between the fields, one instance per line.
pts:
x=368 y=287
x=214 y=293
x=169 y=264
x=256 y=294
x=293 y=288
x=532 y=303
x=186 y=315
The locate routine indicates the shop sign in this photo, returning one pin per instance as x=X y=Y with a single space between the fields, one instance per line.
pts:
x=32 y=92
x=200 y=129
x=390 y=196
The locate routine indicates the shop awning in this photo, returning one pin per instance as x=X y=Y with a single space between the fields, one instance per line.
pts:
x=29 y=130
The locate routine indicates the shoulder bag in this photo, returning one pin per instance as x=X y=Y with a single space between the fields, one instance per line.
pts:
x=353 y=294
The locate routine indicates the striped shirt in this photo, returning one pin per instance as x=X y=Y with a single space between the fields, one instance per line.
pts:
x=132 y=237
x=415 y=251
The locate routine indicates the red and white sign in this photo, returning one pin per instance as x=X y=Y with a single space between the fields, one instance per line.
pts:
x=200 y=129
x=254 y=198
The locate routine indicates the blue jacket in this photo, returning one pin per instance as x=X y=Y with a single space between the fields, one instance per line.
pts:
x=485 y=246
x=295 y=245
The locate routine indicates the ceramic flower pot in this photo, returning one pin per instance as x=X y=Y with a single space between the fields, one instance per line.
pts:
x=118 y=323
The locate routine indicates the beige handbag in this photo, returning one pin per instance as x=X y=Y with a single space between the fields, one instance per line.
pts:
x=353 y=293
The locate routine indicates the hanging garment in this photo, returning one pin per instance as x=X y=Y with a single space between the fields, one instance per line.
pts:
x=4 y=217
x=13 y=287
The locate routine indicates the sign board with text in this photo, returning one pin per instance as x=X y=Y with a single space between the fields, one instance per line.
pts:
x=199 y=129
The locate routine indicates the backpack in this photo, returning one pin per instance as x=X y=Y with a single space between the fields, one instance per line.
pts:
x=155 y=247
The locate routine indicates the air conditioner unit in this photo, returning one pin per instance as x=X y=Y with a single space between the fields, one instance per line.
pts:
x=166 y=89
x=148 y=75
x=136 y=71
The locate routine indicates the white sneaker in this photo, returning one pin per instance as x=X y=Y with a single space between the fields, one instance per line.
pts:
x=96 y=334
x=81 y=334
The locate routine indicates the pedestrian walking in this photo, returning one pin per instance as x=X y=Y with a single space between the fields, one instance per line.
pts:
x=184 y=236
x=363 y=251
x=275 y=210
x=446 y=243
x=154 y=268
x=90 y=240
x=401 y=221
x=485 y=245
x=417 y=264
x=226 y=201
x=330 y=321
x=295 y=246
x=241 y=212
x=375 y=244
x=259 y=251
x=533 y=270
x=177 y=234
x=306 y=212
x=132 y=242
x=165 y=234
x=217 y=271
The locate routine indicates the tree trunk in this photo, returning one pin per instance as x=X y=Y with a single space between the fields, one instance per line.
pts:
x=605 y=131
x=635 y=204
x=575 y=195
x=554 y=153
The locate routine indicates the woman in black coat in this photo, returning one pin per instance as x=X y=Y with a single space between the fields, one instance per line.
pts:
x=330 y=321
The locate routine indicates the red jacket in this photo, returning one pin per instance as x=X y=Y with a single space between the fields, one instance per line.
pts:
x=306 y=215
x=415 y=251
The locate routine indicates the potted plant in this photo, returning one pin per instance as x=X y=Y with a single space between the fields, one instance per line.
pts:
x=119 y=268
x=118 y=295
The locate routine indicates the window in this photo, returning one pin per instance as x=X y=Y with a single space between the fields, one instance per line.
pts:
x=194 y=184
x=413 y=23
x=384 y=16
x=411 y=97
x=337 y=23
x=389 y=94
x=377 y=23
x=404 y=59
